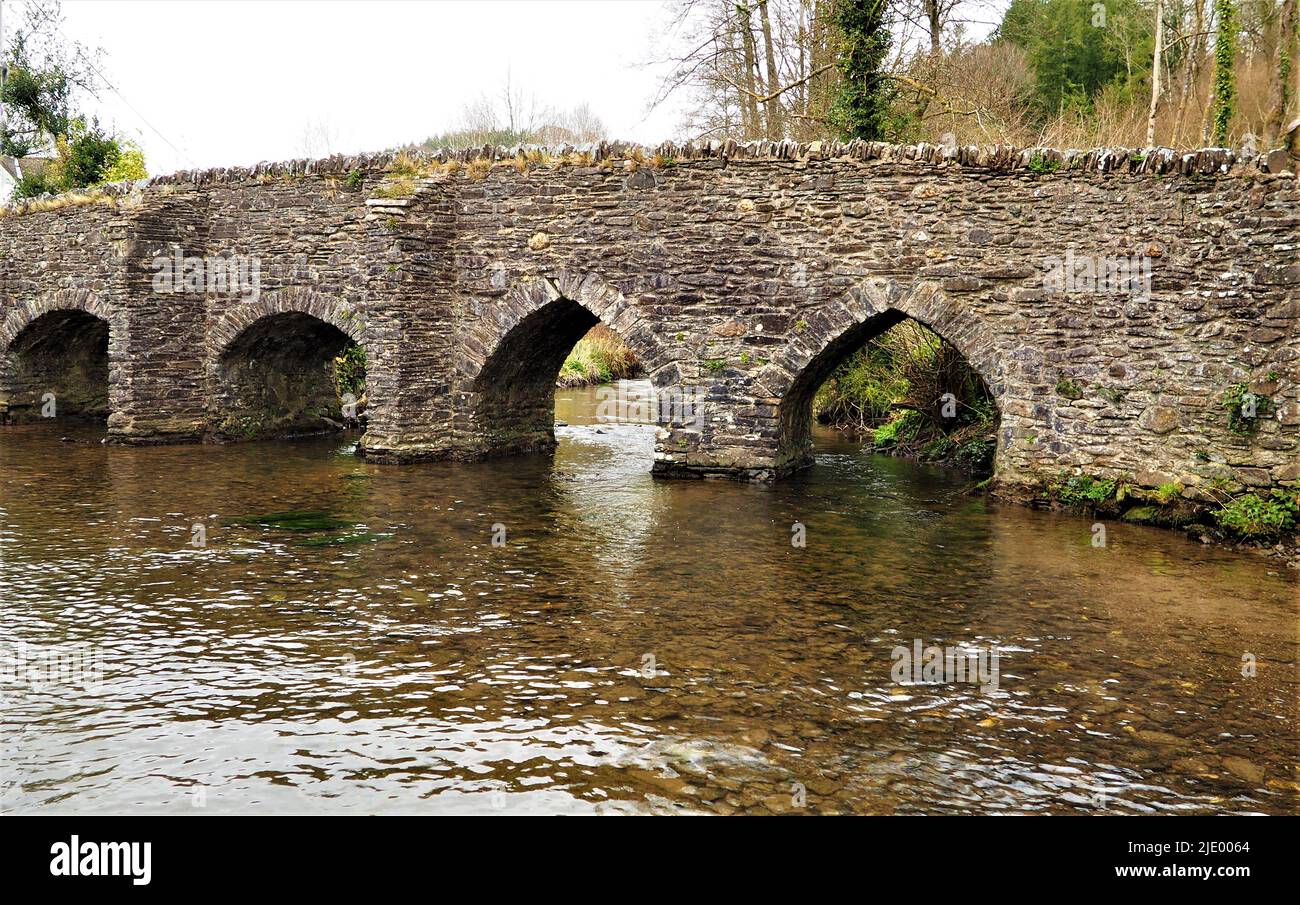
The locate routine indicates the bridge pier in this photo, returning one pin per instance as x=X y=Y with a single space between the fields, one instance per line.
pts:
x=159 y=330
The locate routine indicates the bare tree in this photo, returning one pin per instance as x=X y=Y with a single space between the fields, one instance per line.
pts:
x=577 y=125
x=512 y=117
x=751 y=68
x=1282 y=87
x=318 y=139
x=1155 y=73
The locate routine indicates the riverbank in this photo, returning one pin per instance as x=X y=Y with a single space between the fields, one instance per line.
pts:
x=599 y=357
x=1265 y=521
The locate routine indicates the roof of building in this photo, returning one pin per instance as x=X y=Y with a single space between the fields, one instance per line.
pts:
x=29 y=166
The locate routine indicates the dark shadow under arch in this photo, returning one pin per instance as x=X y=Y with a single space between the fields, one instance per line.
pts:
x=276 y=379
x=515 y=388
x=57 y=366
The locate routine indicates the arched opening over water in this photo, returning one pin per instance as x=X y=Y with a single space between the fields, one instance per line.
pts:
x=900 y=387
x=57 y=368
x=562 y=345
x=288 y=374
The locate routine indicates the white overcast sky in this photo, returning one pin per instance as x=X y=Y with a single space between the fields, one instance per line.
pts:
x=234 y=82
x=237 y=82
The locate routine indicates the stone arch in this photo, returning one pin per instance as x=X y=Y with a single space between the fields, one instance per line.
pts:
x=833 y=333
x=65 y=343
x=25 y=314
x=291 y=300
x=514 y=353
x=267 y=365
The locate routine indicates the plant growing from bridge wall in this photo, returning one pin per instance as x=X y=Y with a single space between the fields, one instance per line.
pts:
x=404 y=164
x=1110 y=394
x=1167 y=493
x=1068 y=389
x=1245 y=409
x=57 y=202
x=1083 y=491
x=401 y=187
x=1040 y=163
x=574 y=159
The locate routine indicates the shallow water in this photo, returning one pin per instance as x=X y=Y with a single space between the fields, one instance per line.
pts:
x=635 y=645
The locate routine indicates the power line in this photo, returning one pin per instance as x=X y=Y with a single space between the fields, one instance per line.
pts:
x=132 y=108
x=111 y=87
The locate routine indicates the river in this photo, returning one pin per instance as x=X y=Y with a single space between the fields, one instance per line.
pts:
x=570 y=635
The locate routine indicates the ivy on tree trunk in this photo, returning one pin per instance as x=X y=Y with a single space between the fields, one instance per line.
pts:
x=862 y=105
x=1225 y=83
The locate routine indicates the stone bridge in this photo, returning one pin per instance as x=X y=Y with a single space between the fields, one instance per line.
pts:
x=740 y=275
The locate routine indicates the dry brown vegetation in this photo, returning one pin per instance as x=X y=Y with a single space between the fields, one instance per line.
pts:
x=767 y=69
x=599 y=357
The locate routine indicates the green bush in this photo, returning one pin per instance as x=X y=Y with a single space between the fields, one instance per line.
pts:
x=886 y=435
x=938 y=449
x=909 y=367
x=913 y=394
x=599 y=357
x=36 y=185
x=863 y=390
x=977 y=455
x=87 y=157
x=350 y=372
x=1084 y=491
x=1251 y=515
x=902 y=428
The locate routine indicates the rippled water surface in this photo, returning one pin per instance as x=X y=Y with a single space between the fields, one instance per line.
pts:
x=634 y=646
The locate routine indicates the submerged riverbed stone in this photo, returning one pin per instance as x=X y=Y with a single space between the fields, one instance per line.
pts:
x=1244 y=770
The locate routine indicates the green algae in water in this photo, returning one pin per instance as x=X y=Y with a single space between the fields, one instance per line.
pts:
x=345 y=540
x=314 y=521
x=298 y=520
